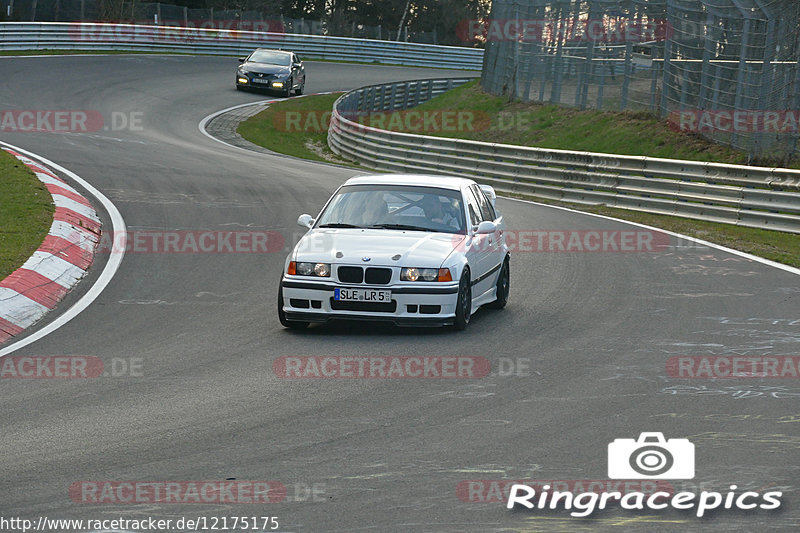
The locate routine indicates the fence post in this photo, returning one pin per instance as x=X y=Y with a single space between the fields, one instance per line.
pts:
x=740 y=81
x=665 y=69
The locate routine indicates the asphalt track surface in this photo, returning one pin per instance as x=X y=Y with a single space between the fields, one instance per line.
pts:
x=384 y=455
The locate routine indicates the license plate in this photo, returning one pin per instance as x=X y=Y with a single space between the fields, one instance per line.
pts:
x=362 y=295
x=259 y=80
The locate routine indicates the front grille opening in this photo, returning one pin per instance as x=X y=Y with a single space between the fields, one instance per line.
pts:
x=300 y=304
x=378 y=276
x=373 y=307
x=316 y=304
x=430 y=309
x=411 y=308
x=351 y=274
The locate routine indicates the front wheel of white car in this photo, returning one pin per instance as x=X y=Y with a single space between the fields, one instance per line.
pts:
x=291 y=324
x=503 y=286
x=463 y=302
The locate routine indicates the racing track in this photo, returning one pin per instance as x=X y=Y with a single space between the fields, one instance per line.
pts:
x=596 y=327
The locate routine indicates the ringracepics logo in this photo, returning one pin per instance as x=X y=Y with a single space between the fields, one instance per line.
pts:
x=648 y=457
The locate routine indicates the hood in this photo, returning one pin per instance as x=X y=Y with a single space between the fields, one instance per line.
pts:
x=265 y=68
x=415 y=248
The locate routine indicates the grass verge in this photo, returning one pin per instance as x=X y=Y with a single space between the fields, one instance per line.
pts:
x=296 y=127
x=291 y=127
x=26 y=213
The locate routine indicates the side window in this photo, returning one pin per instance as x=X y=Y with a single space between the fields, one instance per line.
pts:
x=487 y=213
x=295 y=59
x=474 y=209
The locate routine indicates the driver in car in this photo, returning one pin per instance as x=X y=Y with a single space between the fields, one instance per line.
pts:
x=435 y=212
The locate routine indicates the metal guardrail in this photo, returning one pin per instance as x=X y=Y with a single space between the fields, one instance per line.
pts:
x=129 y=37
x=748 y=196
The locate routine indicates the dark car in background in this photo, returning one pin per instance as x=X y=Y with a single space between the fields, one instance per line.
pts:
x=273 y=70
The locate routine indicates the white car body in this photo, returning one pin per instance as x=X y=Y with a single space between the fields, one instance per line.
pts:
x=380 y=254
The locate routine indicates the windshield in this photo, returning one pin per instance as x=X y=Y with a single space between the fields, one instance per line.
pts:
x=271 y=58
x=395 y=207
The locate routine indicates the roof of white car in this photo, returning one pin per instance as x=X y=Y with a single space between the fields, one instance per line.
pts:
x=415 y=180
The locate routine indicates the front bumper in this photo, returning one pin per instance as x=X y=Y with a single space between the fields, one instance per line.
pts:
x=263 y=86
x=418 y=304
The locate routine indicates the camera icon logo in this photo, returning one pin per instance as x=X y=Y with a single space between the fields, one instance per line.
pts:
x=651 y=457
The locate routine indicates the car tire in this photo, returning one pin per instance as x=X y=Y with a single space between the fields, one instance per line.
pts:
x=503 y=286
x=287 y=92
x=463 y=302
x=291 y=324
x=300 y=89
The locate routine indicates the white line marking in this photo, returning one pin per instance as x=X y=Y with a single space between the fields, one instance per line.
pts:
x=118 y=225
x=202 y=125
x=751 y=257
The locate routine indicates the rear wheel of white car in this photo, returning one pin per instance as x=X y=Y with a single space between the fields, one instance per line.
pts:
x=291 y=324
x=503 y=286
x=463 y=302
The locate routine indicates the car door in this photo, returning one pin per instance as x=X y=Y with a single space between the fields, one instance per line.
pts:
x=493 y=243
x=477 y=248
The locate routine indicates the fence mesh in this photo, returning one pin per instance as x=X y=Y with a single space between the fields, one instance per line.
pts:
x=725 y=69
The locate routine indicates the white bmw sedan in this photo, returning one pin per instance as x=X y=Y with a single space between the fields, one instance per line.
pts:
x=414 y=250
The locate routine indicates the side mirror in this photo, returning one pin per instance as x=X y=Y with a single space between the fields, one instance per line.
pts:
x=242 y=59
x=296 y=65
x=486 y=227
x=306 y=221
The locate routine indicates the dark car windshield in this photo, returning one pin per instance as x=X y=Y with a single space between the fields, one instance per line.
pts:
x=271 y=58
x=395 y=207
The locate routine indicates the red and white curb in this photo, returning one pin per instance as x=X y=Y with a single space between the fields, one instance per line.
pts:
x=60 y=262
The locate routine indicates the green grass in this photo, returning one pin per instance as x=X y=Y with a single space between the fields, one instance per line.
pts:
x=555 y=127
x=26 y=213
x=296 y=127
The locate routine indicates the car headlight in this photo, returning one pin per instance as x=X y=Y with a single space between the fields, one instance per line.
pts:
x=322 y=270
x=425 y=274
